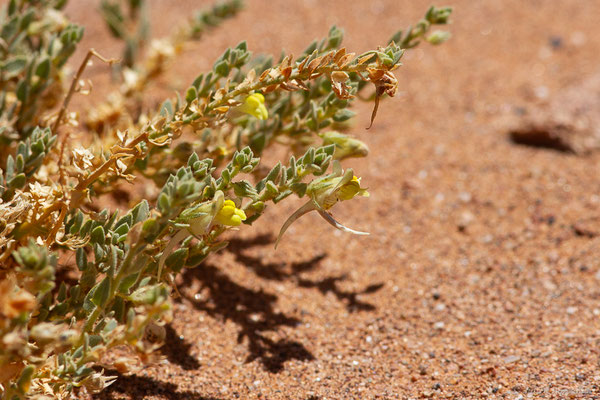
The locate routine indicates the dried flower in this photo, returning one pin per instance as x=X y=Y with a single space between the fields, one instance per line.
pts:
x=13 y=300
x=82 y=159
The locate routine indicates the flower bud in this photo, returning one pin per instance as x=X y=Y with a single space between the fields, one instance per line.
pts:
x=438 y=37
x=345 y=146
x=201 y=216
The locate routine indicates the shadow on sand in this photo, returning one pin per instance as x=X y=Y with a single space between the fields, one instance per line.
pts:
x=253 y=311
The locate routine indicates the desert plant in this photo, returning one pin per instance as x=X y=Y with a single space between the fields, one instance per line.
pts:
x=201 y=151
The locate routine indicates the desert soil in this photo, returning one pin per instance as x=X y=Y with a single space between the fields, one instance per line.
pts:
x=481 y=276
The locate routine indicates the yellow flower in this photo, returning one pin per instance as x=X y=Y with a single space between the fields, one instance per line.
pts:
x=201 y=218
x=324 y=193
x=338 y=186
x=255 y=106
x=230 y=215
x=351 y=189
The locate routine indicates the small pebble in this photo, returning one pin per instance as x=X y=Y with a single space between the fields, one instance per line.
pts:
x=511 y=359
x=556 y=42
x=465 y=197
x=541 y=92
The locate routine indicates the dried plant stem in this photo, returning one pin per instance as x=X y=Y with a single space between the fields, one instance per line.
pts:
x=52 y=234
x=296 y=74
x=91 y=53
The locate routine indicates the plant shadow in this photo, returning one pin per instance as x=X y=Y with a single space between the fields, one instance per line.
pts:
x=177 y=350
x=139 y=387
x=254 y=310
x=279 y=272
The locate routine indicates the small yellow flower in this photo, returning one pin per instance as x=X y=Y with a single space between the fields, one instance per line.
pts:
x=230 y=215
x=351 y=189
x=338 y=186
x=255 y=106
x=201 y=218
x=324 y=193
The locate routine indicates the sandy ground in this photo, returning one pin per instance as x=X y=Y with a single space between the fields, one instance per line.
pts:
x=481 y=277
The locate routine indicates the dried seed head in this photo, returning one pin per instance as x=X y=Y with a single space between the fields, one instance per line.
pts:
x=338 y=84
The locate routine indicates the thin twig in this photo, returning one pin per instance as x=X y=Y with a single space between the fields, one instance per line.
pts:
x=61 y=170
x=76 y=78
x=52 y=234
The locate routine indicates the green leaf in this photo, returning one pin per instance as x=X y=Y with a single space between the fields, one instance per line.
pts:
x=146 y=294
x=122 y=229
x=244 y=189
x=176 y=260
x=242 y=46
x=22 y=90
x=76 y=224
x=282 y=196
x=141 y=211
x=166 y=109
x=222 y=68
x=43 y=68
x=127 y=283
x=299 y=188
x=343 y=115
x=274 y=173
x=12 y=7
x=191 y=94
x=14 y=67
x=18 y=181
x=20 y=163
x=98 y=235
x=164 y=203
x=62 y=292
x=85 y=229
x=101 y=292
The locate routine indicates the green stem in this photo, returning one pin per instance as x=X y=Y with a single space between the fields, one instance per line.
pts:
x=91 y=321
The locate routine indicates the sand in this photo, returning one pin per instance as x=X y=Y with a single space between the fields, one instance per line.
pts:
x=481 y=276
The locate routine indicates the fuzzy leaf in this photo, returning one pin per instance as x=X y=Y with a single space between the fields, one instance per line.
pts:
x=101 y=292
